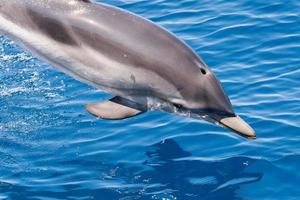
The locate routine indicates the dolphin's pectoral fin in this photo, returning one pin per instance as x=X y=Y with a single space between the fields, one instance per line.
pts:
x=115 y=108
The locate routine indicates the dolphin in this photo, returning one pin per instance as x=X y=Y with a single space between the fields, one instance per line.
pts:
x=144 y=66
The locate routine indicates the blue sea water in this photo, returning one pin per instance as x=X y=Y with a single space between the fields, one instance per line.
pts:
x=51 y=148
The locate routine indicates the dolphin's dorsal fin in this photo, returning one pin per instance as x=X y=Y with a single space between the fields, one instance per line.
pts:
x=114 y=109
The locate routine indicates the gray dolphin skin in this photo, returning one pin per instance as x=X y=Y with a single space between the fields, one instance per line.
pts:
x=143 y=65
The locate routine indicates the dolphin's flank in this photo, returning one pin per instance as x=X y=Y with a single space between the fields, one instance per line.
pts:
x=144 y=66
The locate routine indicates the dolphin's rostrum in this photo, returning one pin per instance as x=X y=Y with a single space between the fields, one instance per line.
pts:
x=142 y=64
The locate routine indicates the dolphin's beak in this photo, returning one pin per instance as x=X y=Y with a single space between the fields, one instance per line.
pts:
x=239 y=126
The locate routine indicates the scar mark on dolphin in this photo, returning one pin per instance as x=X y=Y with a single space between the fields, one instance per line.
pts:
x=51 y=27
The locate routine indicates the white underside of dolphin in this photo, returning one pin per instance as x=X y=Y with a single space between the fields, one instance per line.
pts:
x=142 y=64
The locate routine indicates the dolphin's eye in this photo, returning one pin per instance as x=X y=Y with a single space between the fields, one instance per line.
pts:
x=203 y=71
x=178 y=106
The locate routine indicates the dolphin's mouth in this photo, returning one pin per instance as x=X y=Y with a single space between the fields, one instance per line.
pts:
x=239 y=126
x=230 y=121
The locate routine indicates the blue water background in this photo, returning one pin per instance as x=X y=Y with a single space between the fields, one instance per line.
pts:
x=51 y=148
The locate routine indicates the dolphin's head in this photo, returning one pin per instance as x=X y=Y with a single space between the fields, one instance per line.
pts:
x=205 y=98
